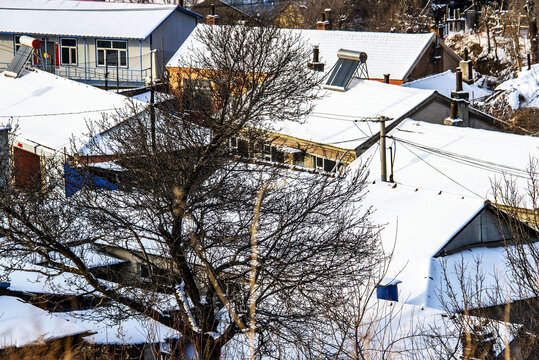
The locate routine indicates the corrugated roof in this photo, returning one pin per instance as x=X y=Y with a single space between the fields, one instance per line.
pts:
x=82 y=18
x=388 y=53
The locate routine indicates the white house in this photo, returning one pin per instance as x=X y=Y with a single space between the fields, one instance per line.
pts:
x=80 y=40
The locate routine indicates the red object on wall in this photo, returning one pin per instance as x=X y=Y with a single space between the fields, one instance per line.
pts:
x=56 y=55
x=27 y=169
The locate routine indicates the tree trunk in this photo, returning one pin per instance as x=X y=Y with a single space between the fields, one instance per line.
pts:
x=532 y=30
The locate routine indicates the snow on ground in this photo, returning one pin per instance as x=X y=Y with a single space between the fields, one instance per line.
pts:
x=22 y=324
x=444 y=83
x=522 y=91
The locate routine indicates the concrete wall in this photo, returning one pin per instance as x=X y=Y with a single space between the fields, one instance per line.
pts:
x=171 y=33
x=434 y=112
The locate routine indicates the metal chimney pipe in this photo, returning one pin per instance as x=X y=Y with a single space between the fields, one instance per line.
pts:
x=459 y=79
x=316 y=54
x=323 y=17
x=465 y=54
x=529 y=58
x=213 y=9
x=386 y=78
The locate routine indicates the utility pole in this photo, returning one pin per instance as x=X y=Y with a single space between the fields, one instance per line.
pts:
x=106 y=72
x=382 y=120
x=383 y=171
x=152 y=102
x=117 y=74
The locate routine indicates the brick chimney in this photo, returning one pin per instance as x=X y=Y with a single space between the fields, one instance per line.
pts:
x=453 y=119
x=212 y=18
x=323 y=23
x=316 y=65
x=466 y=68
x=386 y=78
x=461 y=98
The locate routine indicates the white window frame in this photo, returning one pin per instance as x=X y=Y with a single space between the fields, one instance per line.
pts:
x=100 y=48
x=71 y=48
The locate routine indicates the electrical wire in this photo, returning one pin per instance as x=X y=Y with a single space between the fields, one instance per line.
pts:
x=56 y=114
x=442 y=173
x=468 y=160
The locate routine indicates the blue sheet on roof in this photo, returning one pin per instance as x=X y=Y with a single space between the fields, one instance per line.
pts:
x=76 y=179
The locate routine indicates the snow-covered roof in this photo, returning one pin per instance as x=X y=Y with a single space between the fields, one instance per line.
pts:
x=332 y=120
x=415 y=225
x=454 y=159
x=49 y=110
x=22 y=324
x=491 y=265
x=388 y=53
x=83 y=18
x=444 y=83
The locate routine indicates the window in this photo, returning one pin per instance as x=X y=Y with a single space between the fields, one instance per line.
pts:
x=113 y=52
x=68 y=51
x=299 y=159
x=329 y=165
x=277 y=155
x=325 y=164
x=17 y=42
x=266 y=152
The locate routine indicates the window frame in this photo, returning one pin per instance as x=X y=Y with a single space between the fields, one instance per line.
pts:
x=111 y=48
x=70 y=47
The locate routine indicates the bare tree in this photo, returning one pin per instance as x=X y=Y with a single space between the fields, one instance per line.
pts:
x=221 y=246
x=532 y=29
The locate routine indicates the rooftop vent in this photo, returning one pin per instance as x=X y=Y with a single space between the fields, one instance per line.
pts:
x=350 y=64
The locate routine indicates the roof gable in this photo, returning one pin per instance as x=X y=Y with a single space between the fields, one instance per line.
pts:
x=83 y=18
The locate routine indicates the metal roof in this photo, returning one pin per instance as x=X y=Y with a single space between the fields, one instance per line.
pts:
x=83 y=18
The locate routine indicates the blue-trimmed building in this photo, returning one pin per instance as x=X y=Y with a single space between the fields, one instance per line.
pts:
x=80 y=40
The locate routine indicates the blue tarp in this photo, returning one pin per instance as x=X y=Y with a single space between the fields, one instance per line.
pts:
x=76 y=179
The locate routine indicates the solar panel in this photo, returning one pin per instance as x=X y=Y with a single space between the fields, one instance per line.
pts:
x=345 y=68
x=21 y=57
x=342 y=73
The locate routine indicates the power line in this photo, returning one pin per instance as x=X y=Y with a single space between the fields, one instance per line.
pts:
x=442 y=173
x=56 y=114
x=468 y=160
